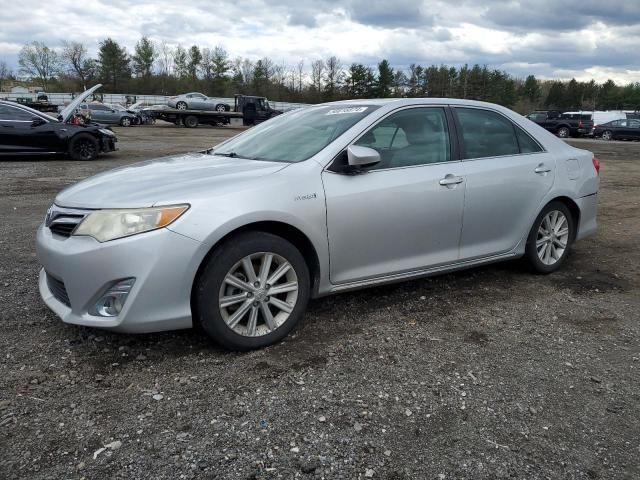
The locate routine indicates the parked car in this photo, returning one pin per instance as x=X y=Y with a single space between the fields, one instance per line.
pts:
x=197 y=101
x=320 y=200
x=108 y=115
x=618 y=130
x=564 y=125
x=25 y=131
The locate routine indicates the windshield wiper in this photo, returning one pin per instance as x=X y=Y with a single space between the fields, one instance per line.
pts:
x=229 y=154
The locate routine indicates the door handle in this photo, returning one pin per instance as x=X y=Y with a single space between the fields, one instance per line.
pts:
x=542 y=168
x=450 y=180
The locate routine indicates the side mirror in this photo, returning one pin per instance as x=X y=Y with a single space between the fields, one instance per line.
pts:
x=362 y=156
x=37 y=121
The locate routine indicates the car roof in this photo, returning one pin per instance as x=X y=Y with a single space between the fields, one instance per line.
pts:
x=400 y=102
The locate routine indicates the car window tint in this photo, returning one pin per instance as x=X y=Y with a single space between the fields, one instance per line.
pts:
x=526 y=143
x=634 y=123
x=11 y=113
x=415 y=136
x=486 y=133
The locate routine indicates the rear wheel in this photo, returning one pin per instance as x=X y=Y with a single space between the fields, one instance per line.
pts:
x=550 y=238
x=252 y=292
x=607 y=135
x=191 y=121
x=181 y=105
x=563 y=132
x=83 y=147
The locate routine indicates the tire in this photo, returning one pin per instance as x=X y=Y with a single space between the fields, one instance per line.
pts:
x=546 y=256
x=83 y=147
x=243 y=325
x=126 y=121
x=181 y=105
x=563 y=132
x=137 y=121
x=191 y=121
x=221 y=107
x=607 y=135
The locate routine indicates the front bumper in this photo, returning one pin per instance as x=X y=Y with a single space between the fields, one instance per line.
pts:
x=163 y=263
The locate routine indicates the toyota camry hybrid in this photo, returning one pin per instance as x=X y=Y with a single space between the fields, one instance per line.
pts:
x=317 y=201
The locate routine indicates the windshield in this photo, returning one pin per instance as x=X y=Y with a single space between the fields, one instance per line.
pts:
x=297 y=135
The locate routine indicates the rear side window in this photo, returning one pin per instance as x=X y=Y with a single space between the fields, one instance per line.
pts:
x=486 y=134
x=526 y=143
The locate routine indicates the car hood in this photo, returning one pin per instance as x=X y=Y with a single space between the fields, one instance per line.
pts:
x=167 y=180
x=67 y=111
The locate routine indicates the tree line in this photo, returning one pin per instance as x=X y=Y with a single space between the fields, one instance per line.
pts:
x=163 y=69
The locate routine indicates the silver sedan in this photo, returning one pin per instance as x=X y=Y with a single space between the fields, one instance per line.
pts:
x=197 y=101
x=317 y=201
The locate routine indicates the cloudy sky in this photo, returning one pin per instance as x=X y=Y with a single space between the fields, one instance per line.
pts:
x=550 y=38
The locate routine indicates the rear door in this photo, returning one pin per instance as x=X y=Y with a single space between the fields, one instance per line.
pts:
x=507 y=176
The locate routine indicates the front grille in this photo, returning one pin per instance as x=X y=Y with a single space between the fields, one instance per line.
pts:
x=65 y=228
x=58 y=290
x=63 y=221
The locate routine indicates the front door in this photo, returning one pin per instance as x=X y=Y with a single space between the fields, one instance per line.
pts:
x=404 y=214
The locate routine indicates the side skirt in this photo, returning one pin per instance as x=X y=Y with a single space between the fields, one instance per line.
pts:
x=427 y=272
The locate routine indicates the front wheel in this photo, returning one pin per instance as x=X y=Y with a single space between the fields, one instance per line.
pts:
x=83 y=147
x=550 y=238
x=125 y=121
x=252 y=291
x=221 y=107
x=607 y=135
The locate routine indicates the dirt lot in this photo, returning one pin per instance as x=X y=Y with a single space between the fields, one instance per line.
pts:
x=488 y=373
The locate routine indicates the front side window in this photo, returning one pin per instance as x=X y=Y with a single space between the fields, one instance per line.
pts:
x=10 y=113
x=486 y=133
x=414 y=136
x=634 y=123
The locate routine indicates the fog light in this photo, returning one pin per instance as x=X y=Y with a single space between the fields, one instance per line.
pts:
x=112 y=302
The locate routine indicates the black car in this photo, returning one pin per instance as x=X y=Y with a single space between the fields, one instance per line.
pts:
x=569 y=124
x=628 y=129
x=25 y=131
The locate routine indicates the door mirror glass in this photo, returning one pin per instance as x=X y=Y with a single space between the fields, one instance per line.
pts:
x=362 y=156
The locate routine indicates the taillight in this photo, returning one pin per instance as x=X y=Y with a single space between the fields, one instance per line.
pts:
x=580 y=124
x=596 y=165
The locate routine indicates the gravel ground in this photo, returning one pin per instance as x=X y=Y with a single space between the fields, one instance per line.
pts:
x=487 y=373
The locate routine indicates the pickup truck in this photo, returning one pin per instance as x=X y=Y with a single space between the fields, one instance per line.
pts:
x=568 y=124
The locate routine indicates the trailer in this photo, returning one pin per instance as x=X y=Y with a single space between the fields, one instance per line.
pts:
x=193 y=118
x=247 y=110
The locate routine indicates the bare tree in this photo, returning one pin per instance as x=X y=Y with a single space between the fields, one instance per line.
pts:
x=164 y=59
x=300 y=70
x=74 y=56
x=333 y=77
x=317 y=74
x=5 y=73
x=39 y=61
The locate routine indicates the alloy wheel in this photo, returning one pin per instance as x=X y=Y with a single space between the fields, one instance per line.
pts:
x=607 y=135
x=553 y=237
x=220 y=108
x=85 y=149
x=258 y=294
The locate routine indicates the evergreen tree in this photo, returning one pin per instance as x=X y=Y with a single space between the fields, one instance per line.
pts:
x=114 y=68
x=384 y=83
x=143 y=58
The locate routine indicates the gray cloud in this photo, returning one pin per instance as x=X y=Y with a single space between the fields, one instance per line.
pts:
x=544 y=37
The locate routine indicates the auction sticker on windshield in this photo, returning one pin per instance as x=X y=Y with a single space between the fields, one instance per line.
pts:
x=340 y=111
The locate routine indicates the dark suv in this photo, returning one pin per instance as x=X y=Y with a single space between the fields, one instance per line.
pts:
x=568 y=124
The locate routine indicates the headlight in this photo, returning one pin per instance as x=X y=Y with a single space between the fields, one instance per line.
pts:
x=105 y=225
x=106 y=132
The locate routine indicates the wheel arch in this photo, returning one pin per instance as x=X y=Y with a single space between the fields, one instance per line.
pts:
x=284 y=230
x=573 y=207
